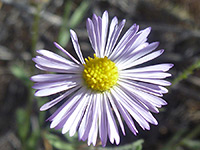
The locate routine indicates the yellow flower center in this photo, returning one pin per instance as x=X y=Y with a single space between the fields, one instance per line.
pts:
x=100 y=74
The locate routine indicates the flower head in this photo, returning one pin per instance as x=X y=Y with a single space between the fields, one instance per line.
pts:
x=111 y=85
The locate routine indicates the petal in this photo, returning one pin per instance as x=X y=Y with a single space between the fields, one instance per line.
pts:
x=124 y=113
x=128 y=57
x=55 y=57
x=133 y=93
x=144 y=59
x=50 y=77
x=104 y=31
x=91 y=35
x=54 y=90
x=85 y=124
x=114 y=37
x=145 y=75
x=135 y=102
x=112 y=126
x=68 y=54
x=135 y=114
x=71 y=103
x=130 y=33
x=103 y=122
x=153 y=81
x=142 y=37
x=145 y=87
x=116 y=111
x=92 y=137
x=156 y=101
x=74 y=119
x=159 y=67
x=71 y=70
x=112 y=27
x=58 y=99
x=76 y=46
x=49 y=63
x=97 y=34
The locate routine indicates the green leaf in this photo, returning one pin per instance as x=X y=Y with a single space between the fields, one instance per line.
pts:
x=20 y=72
x=78 y=14
x=23 y=123
x=71 y=22
x=192 y=144
x=137 y=145
x=58 y=143
x=72 y=139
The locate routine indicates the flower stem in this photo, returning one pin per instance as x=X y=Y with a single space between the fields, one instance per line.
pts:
x=35 y=29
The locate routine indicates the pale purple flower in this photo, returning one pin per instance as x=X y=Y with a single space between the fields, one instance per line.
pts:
x=111 y=85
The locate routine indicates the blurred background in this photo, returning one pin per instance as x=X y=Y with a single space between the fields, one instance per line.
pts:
x=28 y=25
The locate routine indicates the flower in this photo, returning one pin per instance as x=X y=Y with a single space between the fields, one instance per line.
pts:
x=110 y=85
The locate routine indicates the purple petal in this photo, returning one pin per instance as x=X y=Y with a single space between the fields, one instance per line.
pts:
x=50 y=77
x=68 y=54
x=92 y=136
x=112 y=126
x=146 y=75
x=103 y=122
x=54 y=90
x=58 y=99
x=116 y=112
x=86 y=123
x=130 y=33
x=104 y=31
x=112 y=29
x=74 y=119
x=135 y=102
x=142 y=37
x=66 y=107
x=129 y=57
x=159 y=67
x=146 y=87
x=125 y=114
x=76 y=46
x=59 y=70
x=114 y=37
x=144 y=59
x=92 y=36
x=129 y=107
x=57 y=58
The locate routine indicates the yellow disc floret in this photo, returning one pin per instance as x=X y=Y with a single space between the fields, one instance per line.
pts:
x=100 y=74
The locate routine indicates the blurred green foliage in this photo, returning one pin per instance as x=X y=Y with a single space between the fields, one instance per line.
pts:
x=184 y=139
x=71 y=21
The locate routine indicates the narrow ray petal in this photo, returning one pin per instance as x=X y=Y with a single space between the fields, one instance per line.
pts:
x=68 y=54
x=104 y=31
x=55 y=57
x=116 y=112
x=76 y=46
x=112 y=126
x=58 y=99
x=91 y=35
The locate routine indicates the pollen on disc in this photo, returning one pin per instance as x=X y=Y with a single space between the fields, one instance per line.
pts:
x=100 y=74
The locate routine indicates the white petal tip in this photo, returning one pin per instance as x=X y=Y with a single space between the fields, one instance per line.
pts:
x=42 y=108
x=72 y=32
x=63 y=131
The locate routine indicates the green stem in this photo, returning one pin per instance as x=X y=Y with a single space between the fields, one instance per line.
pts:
x=188 y=71
x=63 y=36
x=35 y=29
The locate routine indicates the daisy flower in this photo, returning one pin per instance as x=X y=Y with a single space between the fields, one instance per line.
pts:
x=102 y=91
